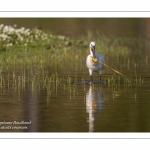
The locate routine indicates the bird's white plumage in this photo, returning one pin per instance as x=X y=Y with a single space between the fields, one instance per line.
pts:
x=92 y=44
x=92 y=66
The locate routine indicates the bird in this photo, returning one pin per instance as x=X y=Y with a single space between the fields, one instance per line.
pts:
x=93 y=61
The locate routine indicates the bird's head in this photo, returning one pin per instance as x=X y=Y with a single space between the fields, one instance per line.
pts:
x=92 y=49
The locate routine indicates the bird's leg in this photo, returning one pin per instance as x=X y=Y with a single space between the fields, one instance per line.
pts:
x=100 y=78
x=90 y=71
x=91 y=78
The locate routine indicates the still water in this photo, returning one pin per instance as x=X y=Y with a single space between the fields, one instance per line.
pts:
x=80 y=107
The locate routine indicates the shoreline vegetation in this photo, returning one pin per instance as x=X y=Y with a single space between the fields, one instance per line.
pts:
x=40 y=59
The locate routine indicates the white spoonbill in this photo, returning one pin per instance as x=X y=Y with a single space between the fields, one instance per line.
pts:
x=92 y=62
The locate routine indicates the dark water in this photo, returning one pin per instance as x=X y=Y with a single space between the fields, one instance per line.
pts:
x=80 y=107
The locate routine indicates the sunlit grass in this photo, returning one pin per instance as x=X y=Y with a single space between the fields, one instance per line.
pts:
x=39 y=60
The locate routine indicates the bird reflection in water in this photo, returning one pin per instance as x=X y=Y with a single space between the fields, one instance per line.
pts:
x=94 y=103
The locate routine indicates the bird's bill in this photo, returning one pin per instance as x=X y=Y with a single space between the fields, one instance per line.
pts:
x=93 y=50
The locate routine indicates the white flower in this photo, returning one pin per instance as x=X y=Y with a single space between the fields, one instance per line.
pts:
x=20 y=37
x=5 y=29
x=25 y=44
x=4 y=36
x=9 y=44
x=1 y=26
x=61 y=37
